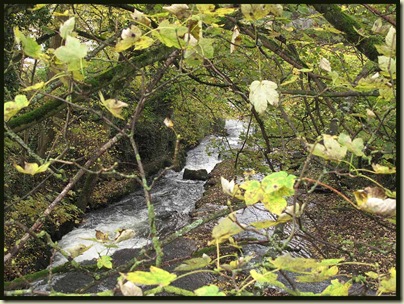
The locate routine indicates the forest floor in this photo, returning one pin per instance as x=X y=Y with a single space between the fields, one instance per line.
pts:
x=332 y=228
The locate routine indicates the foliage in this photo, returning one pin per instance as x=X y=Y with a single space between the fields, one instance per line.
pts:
x=327 y=71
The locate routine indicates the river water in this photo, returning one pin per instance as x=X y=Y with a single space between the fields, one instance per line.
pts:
x=173 y=198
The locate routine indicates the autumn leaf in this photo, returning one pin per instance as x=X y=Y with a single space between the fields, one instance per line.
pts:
x=331 y=150
x=36 y=86
x=129 y=288
x=168 y=122
x=336 y=288
x=124 y=234
x=325 y=64
x=30 y=47
x=262 y=93
x=258 y=11
x=156 y=276
x=379 y=169
x=388 y=285
x=195 y=263
x=374 y=201
x=67 y=28
x=235 y=39
x=210 y=290
x=140 y=17
x=113 y=105
x=225 y=229
x=101 y=236
x=355 y=146
x=227 y=186
x=77 y=250
x=179 y=10
x=267 y=277
x=32 y=168
x=72 y=53
x=11 y=108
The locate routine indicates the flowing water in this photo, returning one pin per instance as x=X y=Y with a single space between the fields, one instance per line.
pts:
x=172 y=197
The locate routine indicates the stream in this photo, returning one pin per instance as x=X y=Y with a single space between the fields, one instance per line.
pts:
x=173 y=199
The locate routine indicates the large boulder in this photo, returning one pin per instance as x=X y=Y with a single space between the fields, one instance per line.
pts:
x=201 y=174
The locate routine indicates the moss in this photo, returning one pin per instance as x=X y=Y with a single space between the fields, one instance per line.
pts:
x=37 y=115
x=348 y=25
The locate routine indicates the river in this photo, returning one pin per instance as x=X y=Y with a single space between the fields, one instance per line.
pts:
x=173 y=198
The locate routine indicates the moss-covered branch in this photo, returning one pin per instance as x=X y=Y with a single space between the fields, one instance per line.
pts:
x=345 y=23
x=109 y=77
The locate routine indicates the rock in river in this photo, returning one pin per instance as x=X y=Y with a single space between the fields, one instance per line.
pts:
x=201 y=174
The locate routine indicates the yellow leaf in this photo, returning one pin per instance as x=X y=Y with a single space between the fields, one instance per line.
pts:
x=225 y=229
x=36 y=86
x=64 y=14
x=235 y=39
x=124 y=234
x=114 y=106
x=140 y=17
x=373 y=201
x=168 y=122
x=379 y=169
x=143 y=43
x=101 y=235
x=77 y=250
x=37 y=7
x=205 y=8
x=32 y=168
x=179 y=10
x=10 y=109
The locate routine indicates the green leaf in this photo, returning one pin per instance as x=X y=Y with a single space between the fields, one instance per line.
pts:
x=169 y=34
x=156 y=276
x=262 y=93
x=29 y=45
x=194 y=263
x=67 y=28
x=356 y=146
x=104 y=261
x=268 y=277
x=205 y=47
x=225 y=229
x=72 y=52
x=210 y=290
x=337 y=289
x=32 y=168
